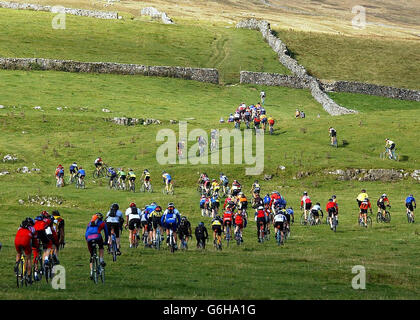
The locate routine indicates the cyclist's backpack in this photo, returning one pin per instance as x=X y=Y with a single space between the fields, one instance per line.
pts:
x=134 y=210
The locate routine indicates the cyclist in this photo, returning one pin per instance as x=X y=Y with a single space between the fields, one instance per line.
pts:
x=167 y=179
x=280 y=222
x=93 y=233
x=184 y=230
x=121 y=177
x=23 y=244
x=390 y=147
x=291 y=213
x=271 y=123
x=45 y=232
x=81 y=173
x=145 y=176
x=227 y=221
x=156 y=216
x=147 y=222
x=73 y=169
x=257 y=122
x=316 y=209
x=216 y=226
x=331 y=208
x=170 y=220
x=215 y=187
x=263 y=118
x=361 y=197
x=333 y=136
x=224 y=182
x=114 y=220
x=59 y=175
x=112 y=176
x=256 y=188
x=305 y=204
x=59 y=227
x=132 y=215
x=236 y=188
x=131 y=177
x=260 y=218
x=382 y=203
x=364 y=206
x=410 y=204
x=242 y=203
x=262 y=96
x=240 y=220
x=201 y=235
x=213 y=135
x=215 y=204
x=98 y=164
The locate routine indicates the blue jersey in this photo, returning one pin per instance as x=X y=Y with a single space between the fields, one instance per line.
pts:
x=290 y=211
x=167 y=176
x=148 y=210
x=93 y=231
x=280 y=202
x=112 y=172
x=81 y=172
x=410 y=200
x=171 y=219
x=267 y=199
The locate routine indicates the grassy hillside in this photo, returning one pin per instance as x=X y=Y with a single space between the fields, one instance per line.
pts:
x=29 y=34
x=317 y=262
x=366 y=59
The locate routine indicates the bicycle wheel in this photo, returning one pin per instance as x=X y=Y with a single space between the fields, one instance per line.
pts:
x=387 y=217
x=102 y=273
x=382 y=155
x=369 y=221
x=379 y=217
x=302 y=220
x=95 y=269
x=114 y=250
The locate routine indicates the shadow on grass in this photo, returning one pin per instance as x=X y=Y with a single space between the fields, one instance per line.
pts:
x=404 y=158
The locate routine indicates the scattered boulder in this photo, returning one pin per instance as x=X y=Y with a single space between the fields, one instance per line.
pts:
x=37 y=108
x=45 y=200
x=173 y=121
x=106 y=110
x=156 y=14
x=9 y=157
x=27 y=170
x=151 y=121
x=21 y=202
x=268 y=177
x=3 y=173
x=59 y=108
x=416 y=175
x=1 y=107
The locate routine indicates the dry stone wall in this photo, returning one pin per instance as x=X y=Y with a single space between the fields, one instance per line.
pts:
x=280 y=48
x=197 y=74
x=77 y=12
x=156 y=14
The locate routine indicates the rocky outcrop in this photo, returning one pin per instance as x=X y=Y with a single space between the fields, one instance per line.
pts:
x=280 y=48
x=197 y=74
x=372 y=174
x=156 y=14
x=126 y=121
x=77 y=12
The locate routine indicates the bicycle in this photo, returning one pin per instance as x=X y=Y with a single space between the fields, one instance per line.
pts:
x=261 y=233
x=21 y=276
x=134 y=237
x=201 y=244
x=309 y=219
x=385 y=154
x=71 y=179
x=218 y=242
x=80 y=183
x=113 y=248
x=279 y=237
x=334 y=142
x=368 y=222
x=380 y=218
x=172 y=243
x=145 y=237
x=121 y=185
x=410 y=217
x=102 y=172
x=158 y=239
x=113 y=184
x=334 y=222
x=238 y=237
x=98 y=271
x=227 y=235
x=184 y=244
x=168 y=189
x=146 y=187
x=38 y=267
x=48 y=268
x=60 y=182
x=271 y=130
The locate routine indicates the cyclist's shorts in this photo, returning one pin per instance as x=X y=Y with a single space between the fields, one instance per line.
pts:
x=132 y=178
x=98 y=165
x=409 y=206
x=45 y=240
x=112 y=177
x=183 y=233
x=147 y=178
x=308 y=206
x=168 y=181
x=171 y=226
x=227 y=223
x=381 y=205
x=315 y=213
x=392 y=147
x=134 y=223
x=217 y=228
x=362 y=211
x=60 y=174
x=72 y=171
x=98 y=241
x=332 y=211
x=23 y=243
x=240 y=225
x=146 y=224
x=82 y=176
x=279 y=225
x=261 y=220
x=123 y=178
x=116 y=227
x=156 y=222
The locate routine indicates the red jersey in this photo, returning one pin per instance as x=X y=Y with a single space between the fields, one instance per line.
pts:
x=239 y=219
x=23 y=240
x=331 y=204
x=227 y=216
x=365 y=205
x=261 y=214
x=305 y=199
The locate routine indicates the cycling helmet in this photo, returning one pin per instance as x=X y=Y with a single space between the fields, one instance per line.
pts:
x=384 y=195
x=115 y=206
x=99 y=215
x=45 y=214
x=38 y=218
x=201 y=224
x=334 y=197
x=153 y=204
x=305 y=193
x=94 y=218
x=363 y=190
x=56 y=213
x=132 y=204
x=411 y=196
x=163 y=171
x=213 y=180
x=130 y=169
x=318 y=204
x=158 y=209
x=330 y=200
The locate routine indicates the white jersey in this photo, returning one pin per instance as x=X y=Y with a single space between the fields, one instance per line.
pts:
x=279 y=217
x=130 y=216
x=115 y=219
x=262 y=94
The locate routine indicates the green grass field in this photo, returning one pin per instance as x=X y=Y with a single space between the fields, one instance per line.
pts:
x=314 y=264
x=229 y=50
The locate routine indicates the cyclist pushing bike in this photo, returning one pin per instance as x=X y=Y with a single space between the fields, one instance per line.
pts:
x=390 y=148
x=410 y=204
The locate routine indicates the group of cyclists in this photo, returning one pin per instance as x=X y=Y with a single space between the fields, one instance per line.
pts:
x=255 y=114
x=41 y=237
